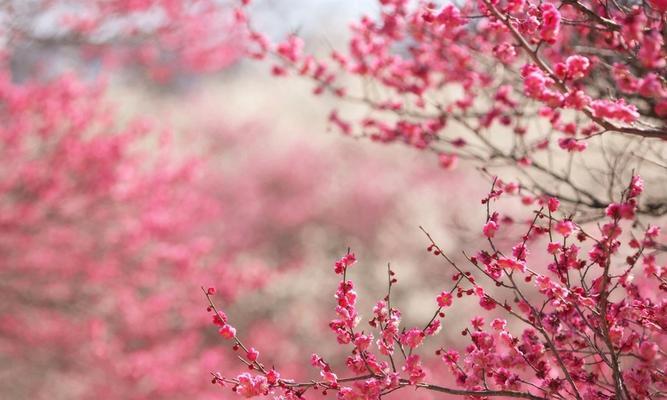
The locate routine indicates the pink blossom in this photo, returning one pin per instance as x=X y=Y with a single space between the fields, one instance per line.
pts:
x=636 y=186
x=329 y=376
x=433 y=328
x=650 y=266
x=363 y=341
x=414 y=368
x=622 y=210
x=512 y=264
x=451 y=17
x=490 y=229
x=505 y=52
x=252 y=354
x=272 y=377
x=477 y=322
x=499 y=324
x=553 y=204
x=617 y=109
x=564 y=227
x=444 y=299
x=413 y=338
x=487 y=303
x=535 y=83
x=227 y=332
x=550 y=27
x=347 y=260
x=652 y=232
x=315 y=360
x=572 y=145
x=577 y=99
x=577 y=66
x=527 y=200
x=448 y=161
x=364 y=390
x=291 y=48
x=252 y=386
x=553 y=248
x=520 y=251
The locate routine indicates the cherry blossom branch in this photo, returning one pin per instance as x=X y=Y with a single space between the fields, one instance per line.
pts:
x=652 y=132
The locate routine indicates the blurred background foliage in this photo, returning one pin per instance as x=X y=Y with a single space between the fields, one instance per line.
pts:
x=228 y=178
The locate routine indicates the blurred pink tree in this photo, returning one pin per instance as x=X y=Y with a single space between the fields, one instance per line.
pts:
x=107 y=229
x=163 y=38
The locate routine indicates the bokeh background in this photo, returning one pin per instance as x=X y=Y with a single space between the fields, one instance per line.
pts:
x=134 y=171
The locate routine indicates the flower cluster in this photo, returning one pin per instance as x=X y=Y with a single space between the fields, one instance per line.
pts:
x=465 y=79
x=584 y=326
